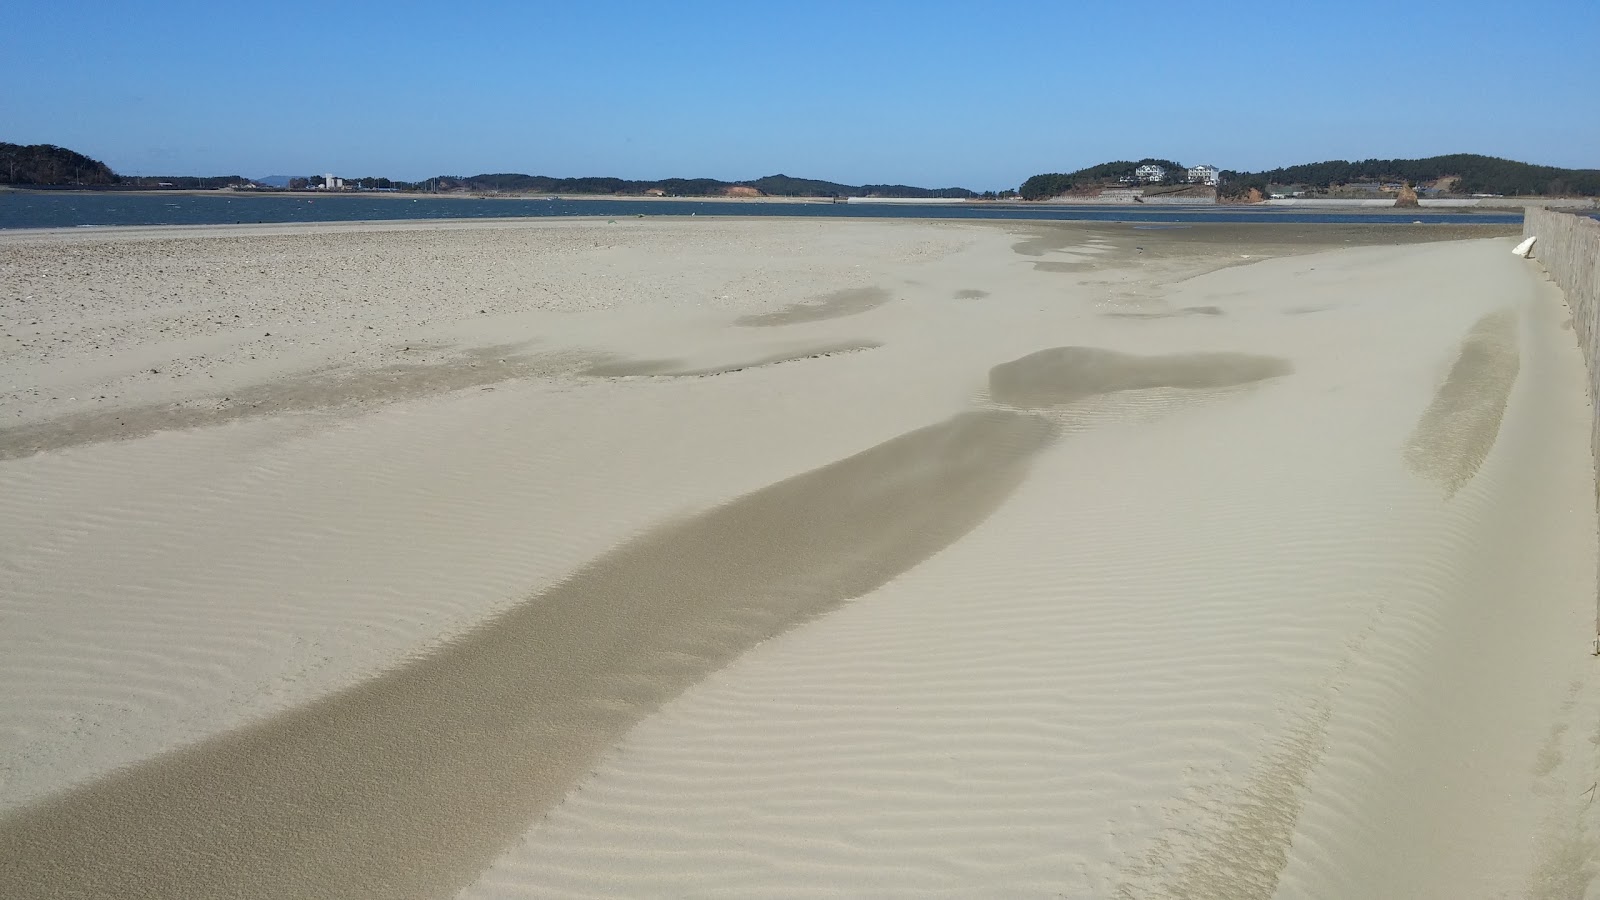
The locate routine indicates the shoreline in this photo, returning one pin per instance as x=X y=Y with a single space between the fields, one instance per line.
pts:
x=417 y=195
x=1452 y=203
x=1306 y=229
x=1166 y=218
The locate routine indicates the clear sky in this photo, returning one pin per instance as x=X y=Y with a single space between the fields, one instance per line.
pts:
x=932 y=93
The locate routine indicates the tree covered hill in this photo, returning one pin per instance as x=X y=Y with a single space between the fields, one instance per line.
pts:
x=47 y=164
x=182 y=182
x=1473 y=174
x=1468 y=173
x=1054 y=184
x=771 y=185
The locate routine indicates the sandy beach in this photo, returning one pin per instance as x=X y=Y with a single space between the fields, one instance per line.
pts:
x=789 y=557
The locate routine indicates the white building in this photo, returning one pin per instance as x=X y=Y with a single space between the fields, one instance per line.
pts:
x=1150 y=173
x=331 y=182
x=1204 y=175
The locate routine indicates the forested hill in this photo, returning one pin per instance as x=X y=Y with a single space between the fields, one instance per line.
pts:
x=1054 y=184
x=47 y=164
x=771 y=185
x=1458 y=173
x=1470 y=173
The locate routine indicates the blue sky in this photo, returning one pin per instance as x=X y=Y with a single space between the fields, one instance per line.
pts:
x=931 y=93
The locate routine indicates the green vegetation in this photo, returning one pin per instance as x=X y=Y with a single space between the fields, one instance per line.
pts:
x=1043 y=187
x=1238 y=185
x=902 y=190
x=1468 y=173
x=771 y=185
x=368 y=183
x=46 y=165
x=1054 y=184
x=785 y=186
x=1474 y=174
x=181 y=182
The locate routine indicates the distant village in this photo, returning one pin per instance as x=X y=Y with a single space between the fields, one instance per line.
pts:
x=332 y=182
x=1211 y=176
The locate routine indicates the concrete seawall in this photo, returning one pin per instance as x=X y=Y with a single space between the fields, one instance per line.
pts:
x=1569 y=250
x=1568 y=247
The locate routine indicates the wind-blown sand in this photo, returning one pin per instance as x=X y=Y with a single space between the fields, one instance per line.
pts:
x=781 y=558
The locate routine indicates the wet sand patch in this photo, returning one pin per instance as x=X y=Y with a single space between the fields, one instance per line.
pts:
x=1234 y=243
x=408 y=785
x=1058 y=266
x=1039 y=241
x=308 y=392
x=1459 y=428
x=1168 y=314
x=1063 y=375
x=623 y=368
x=971 y=294
x=838 y=304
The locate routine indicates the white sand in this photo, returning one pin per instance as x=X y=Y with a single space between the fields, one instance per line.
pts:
x=1290 y=638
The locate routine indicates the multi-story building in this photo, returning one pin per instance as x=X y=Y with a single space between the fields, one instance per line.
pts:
x=1150 y=173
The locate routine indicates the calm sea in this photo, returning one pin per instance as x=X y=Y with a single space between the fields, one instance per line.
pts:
x=45 y=209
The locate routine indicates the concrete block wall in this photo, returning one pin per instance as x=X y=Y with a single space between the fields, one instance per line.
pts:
x=1568 y=247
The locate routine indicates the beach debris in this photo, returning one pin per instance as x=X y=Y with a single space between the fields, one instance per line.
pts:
x=1525 y=249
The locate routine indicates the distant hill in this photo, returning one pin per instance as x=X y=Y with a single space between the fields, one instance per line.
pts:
x=1459 y=173
x=48 y=165
x=1054 y=184
x=1468 y=173
x=771 y=185
x=181 y=182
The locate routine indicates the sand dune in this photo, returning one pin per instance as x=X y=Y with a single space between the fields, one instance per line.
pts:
x=1055 y=590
